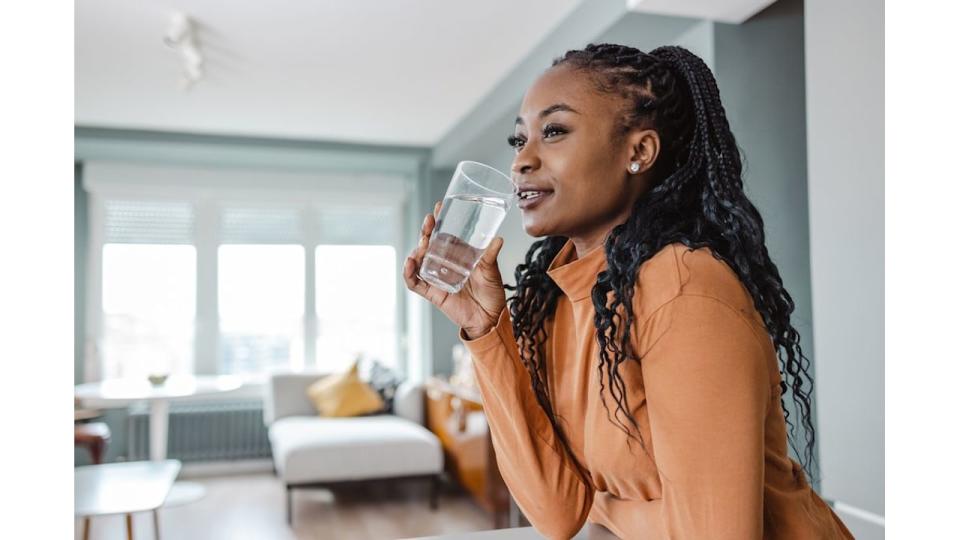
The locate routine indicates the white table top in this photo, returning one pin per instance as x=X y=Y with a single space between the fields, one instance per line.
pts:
x=115 y=391
x=122 y=488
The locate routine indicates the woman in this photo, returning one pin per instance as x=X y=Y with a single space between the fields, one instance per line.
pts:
x=634 y=381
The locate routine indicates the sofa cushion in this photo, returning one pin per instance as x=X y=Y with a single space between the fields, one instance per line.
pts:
x=310 y=449
x=344 y=394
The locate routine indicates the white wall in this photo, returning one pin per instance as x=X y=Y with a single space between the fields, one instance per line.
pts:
x=845 y=137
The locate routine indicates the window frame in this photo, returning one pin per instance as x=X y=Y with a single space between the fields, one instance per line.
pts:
x=209 y=190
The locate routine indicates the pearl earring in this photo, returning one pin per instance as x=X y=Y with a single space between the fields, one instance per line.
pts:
x=634 y=167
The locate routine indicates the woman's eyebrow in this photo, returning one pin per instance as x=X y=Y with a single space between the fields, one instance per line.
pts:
x=550 y=110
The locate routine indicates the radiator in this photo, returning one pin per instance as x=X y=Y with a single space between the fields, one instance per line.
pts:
x=212 y=431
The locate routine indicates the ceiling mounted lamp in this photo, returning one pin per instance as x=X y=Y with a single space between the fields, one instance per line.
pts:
x=181 y=36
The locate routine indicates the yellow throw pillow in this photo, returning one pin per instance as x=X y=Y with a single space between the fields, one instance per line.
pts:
x=344 y=394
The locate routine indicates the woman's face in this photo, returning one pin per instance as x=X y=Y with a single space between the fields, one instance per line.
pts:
x=568 y=151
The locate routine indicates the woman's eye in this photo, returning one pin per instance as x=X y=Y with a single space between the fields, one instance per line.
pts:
x=548 y=131
x=552 y=130
x=515 y=142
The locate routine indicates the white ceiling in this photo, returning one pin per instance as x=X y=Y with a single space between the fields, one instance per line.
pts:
x=727 y=11
x=363 y=71
x=367 y=71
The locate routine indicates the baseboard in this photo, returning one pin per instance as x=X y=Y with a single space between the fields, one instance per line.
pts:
x=225 y=468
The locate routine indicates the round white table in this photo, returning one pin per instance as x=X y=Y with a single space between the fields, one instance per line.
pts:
x=123 y=488
x=122 y=392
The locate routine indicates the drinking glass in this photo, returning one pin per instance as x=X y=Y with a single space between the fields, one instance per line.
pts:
x=473 y=208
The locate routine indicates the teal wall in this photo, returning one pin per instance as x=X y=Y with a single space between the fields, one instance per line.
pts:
x=760 y=73
x=79 y=270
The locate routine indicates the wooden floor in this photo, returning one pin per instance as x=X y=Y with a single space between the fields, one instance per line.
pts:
x=252 y=507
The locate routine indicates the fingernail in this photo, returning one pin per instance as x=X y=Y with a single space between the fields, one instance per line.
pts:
x=423 y=241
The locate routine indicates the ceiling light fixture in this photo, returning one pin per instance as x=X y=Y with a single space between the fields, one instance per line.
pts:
x=181 y=36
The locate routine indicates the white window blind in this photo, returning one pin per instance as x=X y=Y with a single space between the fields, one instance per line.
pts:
x=261 y=225
x=148 y=222
x=358 y=225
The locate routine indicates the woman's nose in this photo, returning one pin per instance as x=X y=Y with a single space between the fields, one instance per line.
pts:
x=522 y=168
x=524 y=162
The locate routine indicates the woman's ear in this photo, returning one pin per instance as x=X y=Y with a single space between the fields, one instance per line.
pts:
x=644 y=148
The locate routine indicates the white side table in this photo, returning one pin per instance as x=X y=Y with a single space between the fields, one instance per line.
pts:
x=123 y=488
x=123 y=392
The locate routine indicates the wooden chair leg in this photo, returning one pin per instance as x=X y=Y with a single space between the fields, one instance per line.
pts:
x=129 y=527
x=86 y=528
x=96 y=451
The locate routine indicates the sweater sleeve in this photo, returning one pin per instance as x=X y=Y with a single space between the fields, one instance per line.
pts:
x=538 y=471
x=706 y=383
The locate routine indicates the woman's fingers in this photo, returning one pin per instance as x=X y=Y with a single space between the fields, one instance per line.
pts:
x=427 y=226
x=413 y=282
x=411 y=266
x=492 y=251
x=426 y=229
x=424 y=240
x=411 y=278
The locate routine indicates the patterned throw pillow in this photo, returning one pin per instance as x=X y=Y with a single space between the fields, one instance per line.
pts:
x=385 y=381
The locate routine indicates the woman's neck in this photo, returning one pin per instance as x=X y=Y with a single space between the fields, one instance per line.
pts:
x=586 y=244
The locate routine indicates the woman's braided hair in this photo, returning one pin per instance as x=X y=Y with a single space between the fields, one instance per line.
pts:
x=697 y=199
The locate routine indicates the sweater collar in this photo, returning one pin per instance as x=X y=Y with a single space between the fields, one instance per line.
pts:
x=576 y=277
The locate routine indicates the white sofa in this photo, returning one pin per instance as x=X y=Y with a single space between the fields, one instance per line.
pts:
x=314 y=451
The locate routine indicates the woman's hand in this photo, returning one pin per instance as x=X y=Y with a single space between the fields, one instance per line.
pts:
x=479 y=303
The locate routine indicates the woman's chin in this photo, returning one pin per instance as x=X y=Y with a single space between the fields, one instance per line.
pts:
x=536 y=229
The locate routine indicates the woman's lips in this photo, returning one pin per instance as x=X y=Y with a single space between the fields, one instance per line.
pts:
x=534 y=201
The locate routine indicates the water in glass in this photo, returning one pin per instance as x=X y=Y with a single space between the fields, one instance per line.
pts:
x=465 y=227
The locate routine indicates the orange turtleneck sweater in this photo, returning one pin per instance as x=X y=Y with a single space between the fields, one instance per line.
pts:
x=706 y=397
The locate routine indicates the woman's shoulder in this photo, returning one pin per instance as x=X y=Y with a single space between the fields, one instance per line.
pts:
x=678 y=270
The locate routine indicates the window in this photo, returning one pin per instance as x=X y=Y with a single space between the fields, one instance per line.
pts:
x=148 y=288
x=149 y=294
x=356 y=304
x=242 y=272
x=261 y=300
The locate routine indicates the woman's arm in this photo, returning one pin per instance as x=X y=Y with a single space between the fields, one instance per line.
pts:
x=538 y=471
x=707 y=389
